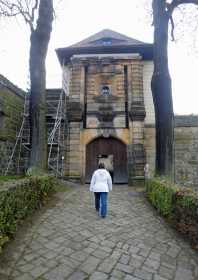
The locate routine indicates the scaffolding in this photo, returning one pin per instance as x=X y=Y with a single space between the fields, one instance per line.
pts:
x=20 y=140
x=56 y=138
x=56 y=123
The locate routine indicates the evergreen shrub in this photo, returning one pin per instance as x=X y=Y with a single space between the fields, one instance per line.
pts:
x=179 y=205
x=162 y=195
x=20 y=200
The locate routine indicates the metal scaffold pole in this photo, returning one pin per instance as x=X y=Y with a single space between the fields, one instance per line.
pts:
x=19 y=136
x=57 y=134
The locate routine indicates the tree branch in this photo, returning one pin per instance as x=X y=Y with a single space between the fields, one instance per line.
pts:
x=9 y=9
x=175 y=3
x=34 y=9
x=172 y=28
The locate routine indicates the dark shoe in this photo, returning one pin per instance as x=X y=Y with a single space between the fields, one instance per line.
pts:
x=103 y=217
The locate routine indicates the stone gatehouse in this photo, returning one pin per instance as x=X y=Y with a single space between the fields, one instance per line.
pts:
x=108 y=115
x=109 y=105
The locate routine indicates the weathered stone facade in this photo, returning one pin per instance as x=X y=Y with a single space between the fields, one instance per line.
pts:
x=11 y=108
x=105 y=104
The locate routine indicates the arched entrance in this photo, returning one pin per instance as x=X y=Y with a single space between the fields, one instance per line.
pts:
x=111 y=151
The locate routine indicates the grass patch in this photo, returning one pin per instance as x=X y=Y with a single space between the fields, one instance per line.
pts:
x=10 y=177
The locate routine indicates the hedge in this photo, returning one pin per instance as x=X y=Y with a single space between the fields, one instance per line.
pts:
x=179 y=205
x=20 y=199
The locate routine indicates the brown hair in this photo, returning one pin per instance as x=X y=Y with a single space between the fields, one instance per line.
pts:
x=101 y=165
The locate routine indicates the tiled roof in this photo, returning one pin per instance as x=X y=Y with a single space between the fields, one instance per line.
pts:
x=106 y=37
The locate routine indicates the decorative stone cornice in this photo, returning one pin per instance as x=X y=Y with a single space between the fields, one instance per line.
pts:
x=137 y=112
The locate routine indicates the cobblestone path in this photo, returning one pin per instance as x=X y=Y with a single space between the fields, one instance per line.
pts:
x=69 y=241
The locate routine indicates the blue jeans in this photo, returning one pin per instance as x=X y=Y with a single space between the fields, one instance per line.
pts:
x=101 y=202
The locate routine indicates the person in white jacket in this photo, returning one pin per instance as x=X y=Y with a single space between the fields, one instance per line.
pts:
x=101 y=184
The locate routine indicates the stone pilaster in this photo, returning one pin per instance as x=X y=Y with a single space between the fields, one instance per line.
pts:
x=137 y=114
x=137 y=108
x=75 y=113
x=74 y=153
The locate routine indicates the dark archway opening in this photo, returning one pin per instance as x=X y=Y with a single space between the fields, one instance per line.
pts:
x=113 y=153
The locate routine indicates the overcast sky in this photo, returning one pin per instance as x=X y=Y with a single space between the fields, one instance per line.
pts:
x=77 y=20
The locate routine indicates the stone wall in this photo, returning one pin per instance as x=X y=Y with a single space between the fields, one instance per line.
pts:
x=11 y=108
x=185 y=147
x=186 y=150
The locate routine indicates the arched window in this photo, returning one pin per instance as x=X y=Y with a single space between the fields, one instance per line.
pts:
x=105 y=90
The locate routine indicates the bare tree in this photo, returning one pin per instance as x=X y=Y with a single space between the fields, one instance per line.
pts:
x=161 y=83
x=38 y=14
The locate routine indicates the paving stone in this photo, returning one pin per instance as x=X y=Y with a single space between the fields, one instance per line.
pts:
x=29 y=257
x=136 y=261
x=124 y=259
x=100 y=254
x=38 y=271
x=116 y=254
x=117 y=273
x=152 y=263
x=98 y=276
x=79 y=256
x=158 y=277
x=166 y=272
x=125 y=268
x=134 y=250
x=50 y=255
x=148 y=269
x=89 y=250
x=25 y=276
x=173 y=252
x=26 y=268
x=154 y=256
x=67 y=251
x=119 y=245
x=106 y=249
x=59 y=273
x=143 y=274
x=144 y=252
x=183 y=274
x=90 y=264
x=129 y=277
x=78 y=275
x=107 y=243
x=107 y=265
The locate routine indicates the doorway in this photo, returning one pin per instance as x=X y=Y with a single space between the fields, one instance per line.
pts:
x=113 y=153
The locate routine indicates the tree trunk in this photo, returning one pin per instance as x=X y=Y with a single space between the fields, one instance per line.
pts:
x=38 y=51
x=162 y=92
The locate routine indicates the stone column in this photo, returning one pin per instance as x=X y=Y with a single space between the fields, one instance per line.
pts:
x=75 y=117
x=137 y=115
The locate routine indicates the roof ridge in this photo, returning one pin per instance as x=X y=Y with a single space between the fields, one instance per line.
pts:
x=106 y=33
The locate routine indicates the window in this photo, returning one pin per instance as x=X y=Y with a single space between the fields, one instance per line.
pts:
x=107 y=42
x=105 y=90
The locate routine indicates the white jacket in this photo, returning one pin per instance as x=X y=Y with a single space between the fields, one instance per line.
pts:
x=101 y=181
